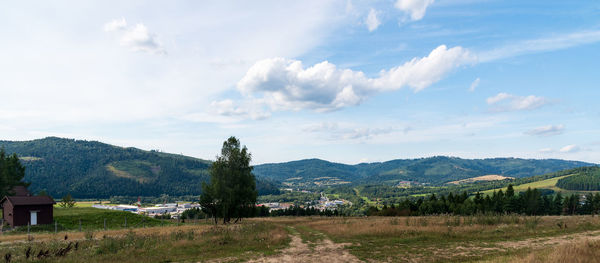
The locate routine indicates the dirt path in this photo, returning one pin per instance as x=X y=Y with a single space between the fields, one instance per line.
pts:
x=323 y=251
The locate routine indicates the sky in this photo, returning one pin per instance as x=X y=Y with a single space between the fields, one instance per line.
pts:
x=346 y=81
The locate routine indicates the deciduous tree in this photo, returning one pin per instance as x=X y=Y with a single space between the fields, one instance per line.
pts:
x=231 y=192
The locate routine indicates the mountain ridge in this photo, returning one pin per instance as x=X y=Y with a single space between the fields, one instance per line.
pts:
x=92 y=169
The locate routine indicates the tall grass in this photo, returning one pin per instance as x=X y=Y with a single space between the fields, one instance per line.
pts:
x=580 y=252
x=161 y=244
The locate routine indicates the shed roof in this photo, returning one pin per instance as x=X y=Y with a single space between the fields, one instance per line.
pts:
x=28 y=200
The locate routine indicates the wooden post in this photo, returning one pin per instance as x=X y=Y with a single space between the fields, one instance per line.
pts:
x=55 y=227
x=125 y=221
x=104 y=224
x=79 y=224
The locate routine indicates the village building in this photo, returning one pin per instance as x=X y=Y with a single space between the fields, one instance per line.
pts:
x=22 y=208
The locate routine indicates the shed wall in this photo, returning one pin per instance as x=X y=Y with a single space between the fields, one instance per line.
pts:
x=22 y=214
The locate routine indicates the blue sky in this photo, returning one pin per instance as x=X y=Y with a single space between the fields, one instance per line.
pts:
x=346 y=81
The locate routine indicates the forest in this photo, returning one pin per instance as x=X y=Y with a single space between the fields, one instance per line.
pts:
x=91 y=170
x=587 y=179
x=530 y=202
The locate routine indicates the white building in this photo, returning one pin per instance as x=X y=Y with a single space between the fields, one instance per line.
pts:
x=158 y=210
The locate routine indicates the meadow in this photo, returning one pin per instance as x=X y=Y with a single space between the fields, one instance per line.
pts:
x=90 y=219
x=542 y=184
x=480 y=238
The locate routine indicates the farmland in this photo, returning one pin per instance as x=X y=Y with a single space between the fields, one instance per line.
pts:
x=480 y=238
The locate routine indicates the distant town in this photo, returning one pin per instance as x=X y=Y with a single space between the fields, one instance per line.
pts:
x=175 y=210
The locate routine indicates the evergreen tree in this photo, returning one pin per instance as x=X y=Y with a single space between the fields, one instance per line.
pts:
x=11 y=173
x=557 y=204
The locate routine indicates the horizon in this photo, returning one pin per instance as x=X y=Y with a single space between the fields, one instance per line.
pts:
x=314 y=158
x=343 y=80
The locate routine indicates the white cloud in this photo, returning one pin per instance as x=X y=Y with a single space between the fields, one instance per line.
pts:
x=541 y=45
x=474 y=85
x=136 y=38
x=336 y=131
x=117 y=24
x=415 y=8
x=228 y=107
x=570 y=149
x=508 y=102
x=320 y=127
x=372 y=21
x=284 y=84
x=548 y=130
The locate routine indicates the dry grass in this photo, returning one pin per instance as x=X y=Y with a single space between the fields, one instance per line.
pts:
x=373 y=239
x=109 y=233
x=585 y=251
x=385 y=226
x=187 y=243
x=489 y=177
x=445 y=238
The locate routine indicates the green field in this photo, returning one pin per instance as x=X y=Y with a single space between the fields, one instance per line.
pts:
x=68 y=219
x=543 y=184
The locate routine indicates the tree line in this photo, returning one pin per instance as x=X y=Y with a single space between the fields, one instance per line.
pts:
x=530 y=202
x=588 y=179
x=11 y=173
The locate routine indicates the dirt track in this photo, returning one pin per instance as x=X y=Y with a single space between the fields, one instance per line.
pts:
x=323 y=251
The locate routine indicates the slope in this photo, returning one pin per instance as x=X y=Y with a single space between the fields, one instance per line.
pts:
x=89 y=169
x=434 y=170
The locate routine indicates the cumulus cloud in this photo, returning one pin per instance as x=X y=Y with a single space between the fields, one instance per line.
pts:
x=136 y=38
x=474 y=85
x=570 y=149
x=548 y=130
x=285 y=84
x=508 y=102
x=414 y=8
x=372 y=21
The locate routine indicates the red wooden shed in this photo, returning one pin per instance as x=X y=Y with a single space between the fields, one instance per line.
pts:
x=23 y=209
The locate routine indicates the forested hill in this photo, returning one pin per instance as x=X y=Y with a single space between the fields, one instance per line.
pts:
x=585 y=179
x=89 y=169
x=434 y=170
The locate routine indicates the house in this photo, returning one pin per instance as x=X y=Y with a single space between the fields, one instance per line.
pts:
x=22 y=209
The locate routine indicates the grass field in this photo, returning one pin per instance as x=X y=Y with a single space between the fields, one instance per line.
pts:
x=543 y=184
x=68 y=219
x=483 y=238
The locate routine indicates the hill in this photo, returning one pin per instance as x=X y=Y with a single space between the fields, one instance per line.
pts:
x=587 y=179
x=89 y=169
x=566 y=181
x=434 y=170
